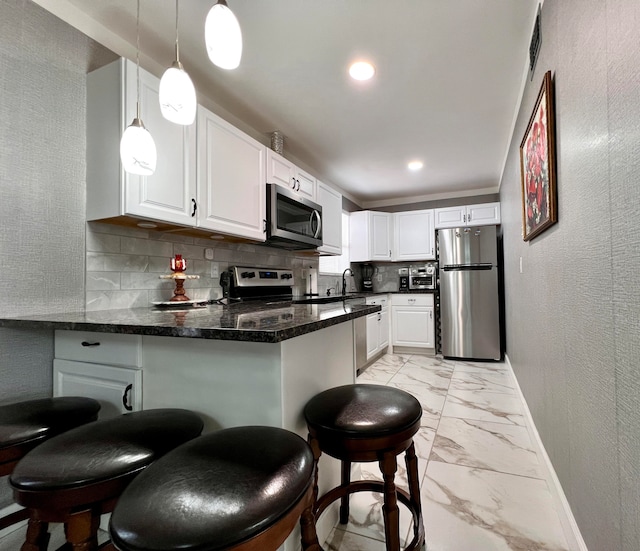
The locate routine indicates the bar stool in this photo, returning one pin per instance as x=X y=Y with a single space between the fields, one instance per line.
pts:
x=76 y=476
x=24 y=425
x=242 y=488
x=366 y=423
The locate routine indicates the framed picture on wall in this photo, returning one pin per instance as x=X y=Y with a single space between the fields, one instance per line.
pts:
x=538 y=165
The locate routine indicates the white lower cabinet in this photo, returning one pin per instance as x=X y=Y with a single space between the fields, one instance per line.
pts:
x=378 y=327
x=412 y=321
x=103 y=366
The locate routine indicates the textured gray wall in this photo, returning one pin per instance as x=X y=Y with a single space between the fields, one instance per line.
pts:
x=573 y=316
x=42 y=186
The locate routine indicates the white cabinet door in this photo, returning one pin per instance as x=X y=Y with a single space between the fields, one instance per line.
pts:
x=305 y=184
x=331 y=202
x=383 y=341
x=118 y=389
x=414 y=235
x=165 y=196
x=280 y=170
x=373 y=335
x=413 y=326
x=231 y=179
x=483 y=215
x=450 y=217
x=380 y=237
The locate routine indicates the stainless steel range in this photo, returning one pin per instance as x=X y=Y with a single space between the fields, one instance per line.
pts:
x=252 y=283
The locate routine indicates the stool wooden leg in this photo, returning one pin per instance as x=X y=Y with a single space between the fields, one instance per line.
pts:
x=390 y=511
x=81 y=530
x=308 y=532
x=344 y=502
x=315 y=448
x=414 y=484
x=37 y=538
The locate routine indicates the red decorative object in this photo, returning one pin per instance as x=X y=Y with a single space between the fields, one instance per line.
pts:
x=178 y=264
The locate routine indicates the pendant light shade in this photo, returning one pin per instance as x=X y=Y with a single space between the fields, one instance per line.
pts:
x=177 y=94
x=137 y=149
x=223 y=36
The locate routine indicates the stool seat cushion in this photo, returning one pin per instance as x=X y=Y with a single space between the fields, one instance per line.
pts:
x=104 y=450
x=33 y=420
x=213 y=492
x=362 y=411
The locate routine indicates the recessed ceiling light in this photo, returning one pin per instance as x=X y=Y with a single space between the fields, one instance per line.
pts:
x=361 y=70
x=415 y=165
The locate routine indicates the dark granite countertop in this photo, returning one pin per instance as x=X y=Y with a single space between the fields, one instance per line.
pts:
x=256 y=321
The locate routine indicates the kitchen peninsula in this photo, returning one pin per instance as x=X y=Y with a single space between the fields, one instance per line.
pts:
x=249 y=363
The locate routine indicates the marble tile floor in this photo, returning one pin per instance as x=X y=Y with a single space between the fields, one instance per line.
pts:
x=482 y=485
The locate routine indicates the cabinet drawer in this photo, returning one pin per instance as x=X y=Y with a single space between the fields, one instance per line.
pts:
x=101 y=348
x=379 y=300
x=413 y=300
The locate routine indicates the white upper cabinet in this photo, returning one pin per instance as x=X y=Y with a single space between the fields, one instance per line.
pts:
x=331 y=202
x=165 y=196
x=370 y=234
x=231 y=179
x=283 y=172
x=414 y=235
x=484 y=214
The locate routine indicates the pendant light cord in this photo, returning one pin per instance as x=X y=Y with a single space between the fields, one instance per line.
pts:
x=177 y=44
x=138 y=62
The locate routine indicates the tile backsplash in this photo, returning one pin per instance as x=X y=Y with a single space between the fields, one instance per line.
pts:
x=124 y=265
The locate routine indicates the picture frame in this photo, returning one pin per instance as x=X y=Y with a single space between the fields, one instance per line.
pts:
x=538 y=165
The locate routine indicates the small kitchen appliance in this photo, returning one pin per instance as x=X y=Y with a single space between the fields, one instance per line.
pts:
x=423 y=277
x=403 y=284
x=367 y=277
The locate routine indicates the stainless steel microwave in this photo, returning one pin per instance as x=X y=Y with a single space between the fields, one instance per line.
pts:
x=293 y=222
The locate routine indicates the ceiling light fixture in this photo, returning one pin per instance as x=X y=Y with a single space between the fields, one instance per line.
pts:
x=137 y=149
x=415 y=165
x=362 y=70
x=177 y=94
x=223 y=36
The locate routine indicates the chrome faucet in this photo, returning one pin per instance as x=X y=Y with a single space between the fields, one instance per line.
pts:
x=344 y=280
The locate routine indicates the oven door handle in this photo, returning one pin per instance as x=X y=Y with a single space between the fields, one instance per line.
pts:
x=317 y=215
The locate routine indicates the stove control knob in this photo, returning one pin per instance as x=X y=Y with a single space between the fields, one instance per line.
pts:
x=248 y=275
x=285 y=276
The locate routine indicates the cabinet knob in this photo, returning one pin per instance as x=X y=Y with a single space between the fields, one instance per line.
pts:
x=195 y=207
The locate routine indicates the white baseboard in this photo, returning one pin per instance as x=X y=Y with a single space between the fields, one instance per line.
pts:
x=567 y=520
x=7 y=511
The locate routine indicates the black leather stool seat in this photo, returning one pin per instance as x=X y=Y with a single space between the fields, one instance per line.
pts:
x=217 y=492
x=24 y=425
x=36 y=420
x=78 y=475
x=366 y=423
x=362 y=411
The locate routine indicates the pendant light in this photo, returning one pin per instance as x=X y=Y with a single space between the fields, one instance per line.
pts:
x=223 y=36
x=137 y=148
x=177 y=94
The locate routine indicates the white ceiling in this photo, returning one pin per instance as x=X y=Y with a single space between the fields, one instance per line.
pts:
x=448 y=82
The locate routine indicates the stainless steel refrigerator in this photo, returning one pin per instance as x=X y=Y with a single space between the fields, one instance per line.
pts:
x=469 y=296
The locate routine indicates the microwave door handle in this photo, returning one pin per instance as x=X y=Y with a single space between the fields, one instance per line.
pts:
x=319 y=228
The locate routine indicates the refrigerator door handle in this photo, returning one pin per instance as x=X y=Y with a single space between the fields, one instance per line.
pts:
x=467 y=267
